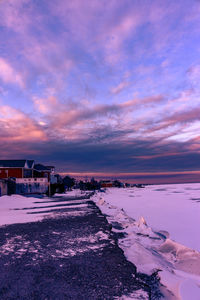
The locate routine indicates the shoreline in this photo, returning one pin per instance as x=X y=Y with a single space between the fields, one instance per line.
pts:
x=152 y=250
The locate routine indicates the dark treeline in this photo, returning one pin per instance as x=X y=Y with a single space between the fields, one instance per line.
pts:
x=67 y=183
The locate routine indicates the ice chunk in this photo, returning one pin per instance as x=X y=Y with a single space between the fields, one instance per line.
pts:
x=141 y=222
x=184 y=258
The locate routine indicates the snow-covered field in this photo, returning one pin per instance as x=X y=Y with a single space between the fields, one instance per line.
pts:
x=162 y=232
x=20 y=209
x=161 y=224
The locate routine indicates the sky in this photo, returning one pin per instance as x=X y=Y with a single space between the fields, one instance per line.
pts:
x=102 y=87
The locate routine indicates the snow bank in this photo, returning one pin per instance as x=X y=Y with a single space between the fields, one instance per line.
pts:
x=152 y=249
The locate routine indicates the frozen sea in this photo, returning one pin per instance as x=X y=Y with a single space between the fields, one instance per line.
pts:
x=162 y=226
x=174 y=208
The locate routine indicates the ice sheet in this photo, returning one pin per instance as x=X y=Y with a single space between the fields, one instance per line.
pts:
x=165 y=238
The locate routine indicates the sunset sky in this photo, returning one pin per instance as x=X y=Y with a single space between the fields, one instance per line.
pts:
x=109 y=87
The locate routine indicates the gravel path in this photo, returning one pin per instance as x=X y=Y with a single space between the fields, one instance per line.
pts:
x=71 y=254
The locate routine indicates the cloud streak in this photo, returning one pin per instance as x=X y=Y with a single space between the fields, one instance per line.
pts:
x=9 y=75
x=101 y=86
x=17 y=126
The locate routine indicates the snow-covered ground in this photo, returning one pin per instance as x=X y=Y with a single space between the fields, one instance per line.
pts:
x=161 y=225
x=162 y=232
x=20 y=209
x=74 y=193
x=62 y=244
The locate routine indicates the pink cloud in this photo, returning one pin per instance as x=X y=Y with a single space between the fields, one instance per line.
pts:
x=69 y=120
x=146 y=100
x=156 y=155
x=55 y=61
x=17 y=126
x=108 y=34
x=15 y=15
x=194 y=74
x=43 y=53
x=46 y=106
x=114 y=36
x=9 y=75
x=178 y=119
x=121 y=86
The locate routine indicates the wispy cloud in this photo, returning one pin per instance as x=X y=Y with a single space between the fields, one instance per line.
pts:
x=101 y=85
x=9 y=75
x=17 y=126
x=121 y=86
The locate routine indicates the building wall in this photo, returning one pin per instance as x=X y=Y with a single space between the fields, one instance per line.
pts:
x=28 y=173
x=3 y=188
x=31 y=185
x=11 y=172
x=32 y=180
x=53 y=179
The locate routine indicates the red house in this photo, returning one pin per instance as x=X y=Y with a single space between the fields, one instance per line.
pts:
x=16 y=168
x=25 y=177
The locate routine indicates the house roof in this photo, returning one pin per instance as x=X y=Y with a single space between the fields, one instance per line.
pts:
x=30 y=163
x=50 y=167
x=40 y=167
x=17 y=163
x=13 y=163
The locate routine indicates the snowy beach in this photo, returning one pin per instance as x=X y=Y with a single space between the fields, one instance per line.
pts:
x=161 y=225
x=63 y=248
x=157 y=228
